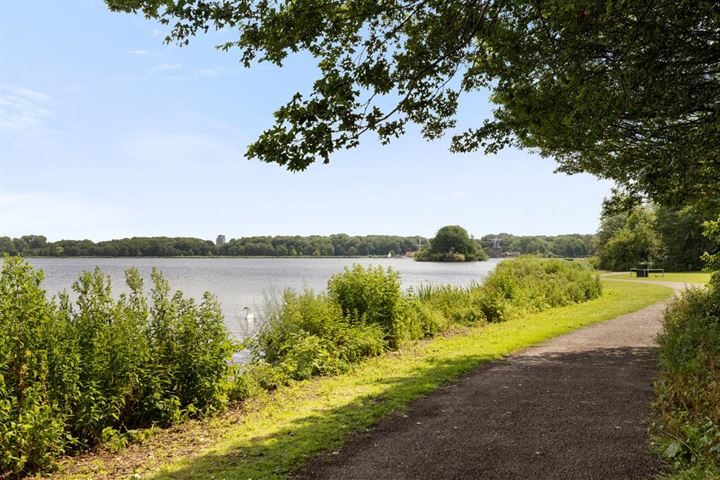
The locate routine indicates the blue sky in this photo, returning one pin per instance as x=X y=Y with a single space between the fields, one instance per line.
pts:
x=106 y=132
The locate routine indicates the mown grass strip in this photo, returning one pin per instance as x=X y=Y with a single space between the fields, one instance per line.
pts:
x=318 y=415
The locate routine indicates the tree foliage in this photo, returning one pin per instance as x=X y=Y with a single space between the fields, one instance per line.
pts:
x=626 y=90
x=626 y=239
x=451 y=244
x=568 y=246
x=339 y=245
x=681 y=232
x=711 y=256
x=320 y=246
x=673 y=239
x=314 y=245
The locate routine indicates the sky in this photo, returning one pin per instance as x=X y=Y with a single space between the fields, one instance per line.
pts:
x=107 y=132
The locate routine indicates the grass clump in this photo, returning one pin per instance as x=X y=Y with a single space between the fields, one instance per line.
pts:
x=688 y=390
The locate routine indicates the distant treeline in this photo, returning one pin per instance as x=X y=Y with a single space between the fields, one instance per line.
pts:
x=571 y=246
x=320 y=246
x=281 y=246
x=316 y=245
x=37 y=245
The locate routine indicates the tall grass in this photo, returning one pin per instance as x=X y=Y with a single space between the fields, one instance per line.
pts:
x=688 y=390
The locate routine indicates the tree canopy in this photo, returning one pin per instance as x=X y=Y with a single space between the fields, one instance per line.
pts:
x=669 y=238
x=570 y=246
x=628 y=238
x=626 y=90
x=451 y=244
x=259 y=246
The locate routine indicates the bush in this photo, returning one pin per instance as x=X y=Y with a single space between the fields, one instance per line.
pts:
x=306 y=334
x=431 y=320
x=75 y=373
x=456 y=304
x=31 y=429
x=530 y=284
x=687 y=408
x=373 y=296
x=365 y=312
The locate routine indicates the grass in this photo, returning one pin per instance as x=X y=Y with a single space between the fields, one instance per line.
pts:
x=272 y=436
x=684 y=277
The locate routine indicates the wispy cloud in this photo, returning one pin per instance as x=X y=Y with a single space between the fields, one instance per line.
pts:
x=138 y=52
x=206 y=73
x=167 y=67
x=22 y=110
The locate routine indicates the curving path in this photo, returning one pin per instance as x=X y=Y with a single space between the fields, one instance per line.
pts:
x=575 y=407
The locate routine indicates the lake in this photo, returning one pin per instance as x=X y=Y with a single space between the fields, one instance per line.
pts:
x=241 y=282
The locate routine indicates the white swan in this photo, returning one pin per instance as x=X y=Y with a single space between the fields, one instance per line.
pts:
x=249 y=317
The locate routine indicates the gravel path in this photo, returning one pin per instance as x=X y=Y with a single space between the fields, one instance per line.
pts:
x=575 y=407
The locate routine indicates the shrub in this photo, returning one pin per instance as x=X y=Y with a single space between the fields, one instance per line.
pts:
x=456 y=304
x=687 y=408
x=431 y=320
x=529 y=284
x=193 y=346
x=257 y=376
x=75 y=373
x=31 y=430
x=373 y=296
x=306 y=334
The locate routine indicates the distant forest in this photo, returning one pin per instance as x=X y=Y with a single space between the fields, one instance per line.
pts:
x=570 y=246
x=280 y=246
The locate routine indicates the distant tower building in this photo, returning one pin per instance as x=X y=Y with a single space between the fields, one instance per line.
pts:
x=496 y=249
x=220 y=240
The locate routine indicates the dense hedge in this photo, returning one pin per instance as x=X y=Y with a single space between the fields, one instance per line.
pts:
x=75 y=373
x=688 y=390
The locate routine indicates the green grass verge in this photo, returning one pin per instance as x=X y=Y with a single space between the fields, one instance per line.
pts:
x=684 y=277
x=276 y=436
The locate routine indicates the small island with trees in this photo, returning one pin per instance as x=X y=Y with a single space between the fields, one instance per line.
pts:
x=451 y=244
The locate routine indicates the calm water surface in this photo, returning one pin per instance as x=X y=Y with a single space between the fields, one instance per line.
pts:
x=241 y=282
